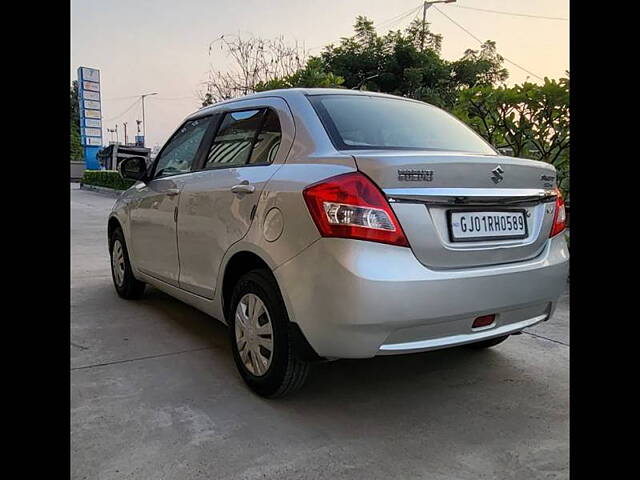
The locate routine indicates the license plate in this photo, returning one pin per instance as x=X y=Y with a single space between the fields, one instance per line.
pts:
x=467 y=226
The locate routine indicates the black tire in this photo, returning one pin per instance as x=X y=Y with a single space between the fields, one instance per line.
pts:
x=487 y=343
x=287 y=372
x=130 y=288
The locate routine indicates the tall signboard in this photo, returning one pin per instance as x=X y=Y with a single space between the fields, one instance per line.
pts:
x=90 y=115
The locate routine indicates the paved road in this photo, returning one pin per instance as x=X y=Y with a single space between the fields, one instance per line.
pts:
x=155 y=395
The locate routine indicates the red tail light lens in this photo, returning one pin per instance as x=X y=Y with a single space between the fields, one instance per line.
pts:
x=560 y=216
x=352 y=206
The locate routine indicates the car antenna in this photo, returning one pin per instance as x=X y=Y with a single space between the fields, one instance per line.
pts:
x=361 y=84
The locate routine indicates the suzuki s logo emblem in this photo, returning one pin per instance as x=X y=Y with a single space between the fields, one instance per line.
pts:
x=497 y=176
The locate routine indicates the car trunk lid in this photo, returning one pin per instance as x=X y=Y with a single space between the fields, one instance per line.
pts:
x=431 y=191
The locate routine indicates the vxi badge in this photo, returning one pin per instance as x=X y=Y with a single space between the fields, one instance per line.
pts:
x=548 y=180
x=410 y=175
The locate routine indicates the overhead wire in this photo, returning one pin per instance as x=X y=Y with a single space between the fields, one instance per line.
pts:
x=176 y=98
x=481 y=42
x=124 y=112
x=399 y=18
x=121 y=98
x=513 y=14
x=386 y=23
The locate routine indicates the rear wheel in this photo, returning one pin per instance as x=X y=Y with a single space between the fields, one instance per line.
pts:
x=263 y=348
x=125 y=283
x=487 y=343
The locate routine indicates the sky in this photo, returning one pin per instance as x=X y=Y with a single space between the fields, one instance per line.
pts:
x=162 y=46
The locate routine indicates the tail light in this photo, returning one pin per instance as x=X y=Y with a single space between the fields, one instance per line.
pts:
x=560 y=216
x=352 y=206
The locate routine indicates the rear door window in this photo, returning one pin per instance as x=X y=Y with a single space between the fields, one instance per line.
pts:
x=245 y=137
x=268 y=140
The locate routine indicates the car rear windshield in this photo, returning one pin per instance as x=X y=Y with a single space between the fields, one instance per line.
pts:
x=372 y=122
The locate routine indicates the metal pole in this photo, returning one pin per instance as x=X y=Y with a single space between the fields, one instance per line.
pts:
x=144 y=130
x=424 y=19
x=125 y=132
x=426 y=5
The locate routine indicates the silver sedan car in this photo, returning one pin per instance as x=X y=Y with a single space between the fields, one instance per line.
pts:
x=321 y=224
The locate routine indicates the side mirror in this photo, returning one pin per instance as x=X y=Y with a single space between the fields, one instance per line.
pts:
x=133 y=168
x=508 y=151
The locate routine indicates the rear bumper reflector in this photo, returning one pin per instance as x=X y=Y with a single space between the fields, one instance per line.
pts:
x=484 y=321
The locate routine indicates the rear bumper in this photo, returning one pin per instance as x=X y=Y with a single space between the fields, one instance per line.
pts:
x=355 y=299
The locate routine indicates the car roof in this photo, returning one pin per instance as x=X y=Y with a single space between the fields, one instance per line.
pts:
x=287 y=93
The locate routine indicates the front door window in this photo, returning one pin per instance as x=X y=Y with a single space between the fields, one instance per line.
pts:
x=180 y=152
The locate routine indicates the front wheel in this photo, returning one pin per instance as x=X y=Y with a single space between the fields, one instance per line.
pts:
x=125 y=283
x=263 y=349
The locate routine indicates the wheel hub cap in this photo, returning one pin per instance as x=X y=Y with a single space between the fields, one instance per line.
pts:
x=117 y=263
x=254 y=334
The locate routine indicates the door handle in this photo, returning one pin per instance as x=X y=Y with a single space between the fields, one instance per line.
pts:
x=170 y=192
x=243 y=188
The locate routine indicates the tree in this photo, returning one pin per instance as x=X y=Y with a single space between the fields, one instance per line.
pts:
x=396 y=63
x=359 y=59
x=311 y=76
x=480 y=67
x=419 y=32
x=255 y=61
x=75 y=146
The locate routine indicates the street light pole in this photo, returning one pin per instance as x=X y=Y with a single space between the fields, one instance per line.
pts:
x=426 y=5
x=125 y=132
x=144 y=130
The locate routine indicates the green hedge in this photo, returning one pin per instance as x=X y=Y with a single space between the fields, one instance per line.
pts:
x=105 y=178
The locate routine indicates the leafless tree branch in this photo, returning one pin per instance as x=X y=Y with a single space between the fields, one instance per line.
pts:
x=254 y=60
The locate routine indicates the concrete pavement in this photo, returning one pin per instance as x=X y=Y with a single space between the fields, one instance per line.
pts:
x=155 y=395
